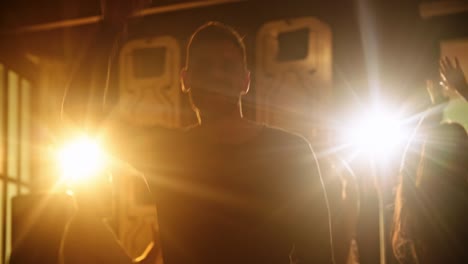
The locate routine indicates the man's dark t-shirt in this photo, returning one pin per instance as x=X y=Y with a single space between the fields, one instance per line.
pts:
x=253 y=202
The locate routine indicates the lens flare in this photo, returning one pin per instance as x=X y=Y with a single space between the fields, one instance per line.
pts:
x=80 y=159
x=378 y=133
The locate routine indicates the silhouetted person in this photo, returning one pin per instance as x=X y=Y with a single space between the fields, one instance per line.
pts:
x=430 y=222
x=87 y=237
x=343 y=196
x=233 y=191
x=228 y=190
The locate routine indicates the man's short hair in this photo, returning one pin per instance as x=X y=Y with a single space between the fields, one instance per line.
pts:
x=215 y=31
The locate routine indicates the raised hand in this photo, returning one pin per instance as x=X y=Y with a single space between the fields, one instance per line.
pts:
x=436 y=92
x=453 y=77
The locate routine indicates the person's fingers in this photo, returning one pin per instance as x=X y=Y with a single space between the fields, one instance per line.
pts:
x=444 y=79
x=443 y=74
x=442 y=66
x=429 y=85
x=457 y=63
x=435 y=92
x=442 y=71
x=443 y=86
x=448 y=62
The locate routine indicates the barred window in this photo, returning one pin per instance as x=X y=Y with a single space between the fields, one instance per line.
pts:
x=15 y=174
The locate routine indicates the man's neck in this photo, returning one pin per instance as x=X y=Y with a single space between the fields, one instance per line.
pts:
x=230 y=129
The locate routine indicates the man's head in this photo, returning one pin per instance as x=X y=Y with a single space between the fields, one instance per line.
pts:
x=216 y=73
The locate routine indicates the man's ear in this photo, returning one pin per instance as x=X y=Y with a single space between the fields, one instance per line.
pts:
x=184 y=80
x=246 y=86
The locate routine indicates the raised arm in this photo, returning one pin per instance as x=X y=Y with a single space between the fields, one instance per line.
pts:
x=453 y=77
x=83 y=101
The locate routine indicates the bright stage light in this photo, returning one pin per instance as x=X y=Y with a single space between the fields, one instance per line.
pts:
x=376 y=133
x=80 y=159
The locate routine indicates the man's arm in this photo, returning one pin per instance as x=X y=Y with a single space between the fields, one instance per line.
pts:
x=454 y=79
x=311 y=226
x=83 y=99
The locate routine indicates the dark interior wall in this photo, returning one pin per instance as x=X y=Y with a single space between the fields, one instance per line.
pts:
x=247 y=17
x=387 y=40
x=20 y=13
x=24 y=12
x=409 y=50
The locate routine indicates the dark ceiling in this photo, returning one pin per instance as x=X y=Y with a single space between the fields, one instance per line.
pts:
x=18 y=13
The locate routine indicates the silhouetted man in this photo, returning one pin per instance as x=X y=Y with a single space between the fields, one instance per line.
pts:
x=233 y=191
x=229 y=190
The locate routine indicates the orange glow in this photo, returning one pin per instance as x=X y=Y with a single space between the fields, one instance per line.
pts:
x=80 y=159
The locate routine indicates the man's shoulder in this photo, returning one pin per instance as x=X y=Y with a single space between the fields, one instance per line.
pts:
x=283 y=137
x=291 y=152
x=124 y=129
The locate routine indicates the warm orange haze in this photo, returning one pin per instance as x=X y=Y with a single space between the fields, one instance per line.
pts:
x=233 y=131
